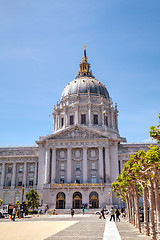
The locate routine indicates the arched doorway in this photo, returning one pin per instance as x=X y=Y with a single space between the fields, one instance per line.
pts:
x=77 y=200
x=93 y=200
x=60 y=200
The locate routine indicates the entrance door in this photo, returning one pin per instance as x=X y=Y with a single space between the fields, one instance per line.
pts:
x=61 y=204
x=60 y=201
x=77 y=200
x=93 y=200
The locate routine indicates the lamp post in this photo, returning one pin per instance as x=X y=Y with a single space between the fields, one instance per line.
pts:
x=22 y=192
x=109 y=196
x=41 y=199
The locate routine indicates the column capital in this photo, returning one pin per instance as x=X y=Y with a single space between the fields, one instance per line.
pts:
x=47 y=164
x=100 y=147
x=85 y=147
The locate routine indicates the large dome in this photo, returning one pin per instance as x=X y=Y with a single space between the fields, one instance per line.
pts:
x=85 y=86
x=85 y=83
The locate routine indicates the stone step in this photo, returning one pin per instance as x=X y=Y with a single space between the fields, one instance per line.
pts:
x=76 y=211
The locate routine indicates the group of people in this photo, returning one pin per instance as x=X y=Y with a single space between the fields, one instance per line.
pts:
x=113 y=213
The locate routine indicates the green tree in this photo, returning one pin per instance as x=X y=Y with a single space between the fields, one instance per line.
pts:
x=155 y=131
x=1 y=201
x=33 y=199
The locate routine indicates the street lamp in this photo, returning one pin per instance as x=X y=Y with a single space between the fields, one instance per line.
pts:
x=41 y=198
x=109 y=196
x=22 y=192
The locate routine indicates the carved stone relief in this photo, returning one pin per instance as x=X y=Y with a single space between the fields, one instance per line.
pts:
x=92 y=153
x=77 y=154
x=77 y=134
x=62 y=154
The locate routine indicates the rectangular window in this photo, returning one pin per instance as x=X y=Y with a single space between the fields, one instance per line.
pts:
x=71 y=120
x=62 y=166
x=93 y=178
x=83 y=119
x=93 y=166
x=31 y=168
x=20 y=169
x=62 y=179
x=9 y=168
x=62 y=122
x=77 y=166
x=106 y=121
x=8 y=181
x=78 y=179
x=20 y=181
x=95 y=119
x=30 y=181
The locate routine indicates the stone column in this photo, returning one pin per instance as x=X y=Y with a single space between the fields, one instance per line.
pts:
x=25 y=174
x=59 y=121
x=103 y=116
x=76 y=114
x=54 y=123
x=35 y=174
x=114 y=166
x=13 y=175
x=65 y=118
x=107 y=165
x=114 y=160
x=85 y=175
x=53 y=170
x=112 y=120
x=101 y=175
x=69 y=165
x=47 y=161
x=89 y=115
x=3 y=174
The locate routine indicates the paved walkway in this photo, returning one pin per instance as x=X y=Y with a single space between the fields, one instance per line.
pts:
x=63 y=227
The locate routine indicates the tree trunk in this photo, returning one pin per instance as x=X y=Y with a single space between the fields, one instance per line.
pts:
x=137 y=210
x=157 y=205
x=146 y=225
x=130 y=208
x=133 y=210
x=151 y=211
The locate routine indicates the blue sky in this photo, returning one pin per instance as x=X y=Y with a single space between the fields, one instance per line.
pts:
x=41 y=45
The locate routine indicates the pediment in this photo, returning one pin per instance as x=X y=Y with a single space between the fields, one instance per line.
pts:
x=76 y=133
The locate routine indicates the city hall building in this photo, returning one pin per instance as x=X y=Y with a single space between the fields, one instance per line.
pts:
x=77 y=163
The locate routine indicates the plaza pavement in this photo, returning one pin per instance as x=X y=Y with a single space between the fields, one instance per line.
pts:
x=63 y=227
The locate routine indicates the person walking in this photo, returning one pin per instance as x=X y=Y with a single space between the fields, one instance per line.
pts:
x=123 y=212
x=112 y=214
x=102 y=213
x=14 y=213
x=72 y=212
x=83 y=210
x=117 y=212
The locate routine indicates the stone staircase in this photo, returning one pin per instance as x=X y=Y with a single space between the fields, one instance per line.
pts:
x=76 y=211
